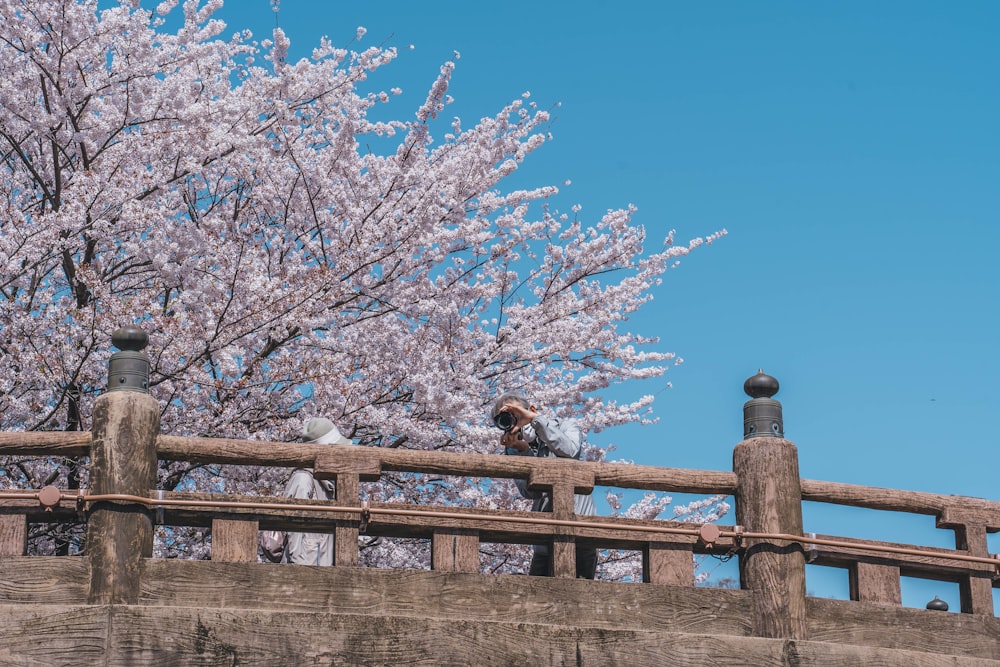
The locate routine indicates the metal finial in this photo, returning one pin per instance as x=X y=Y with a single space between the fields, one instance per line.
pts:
x=761 y=385
x=937 y=604
x=762 y=414
x=130 y=339
x=128 y=370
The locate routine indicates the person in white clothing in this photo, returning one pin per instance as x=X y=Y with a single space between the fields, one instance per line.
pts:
x=313 y=548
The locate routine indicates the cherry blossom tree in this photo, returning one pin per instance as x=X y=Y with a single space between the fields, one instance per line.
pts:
x=289 y=251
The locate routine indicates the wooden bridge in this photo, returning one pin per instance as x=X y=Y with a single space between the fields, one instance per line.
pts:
x=117 y=605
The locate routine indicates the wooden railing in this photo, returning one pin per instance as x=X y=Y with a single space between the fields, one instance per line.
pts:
x=121 y=506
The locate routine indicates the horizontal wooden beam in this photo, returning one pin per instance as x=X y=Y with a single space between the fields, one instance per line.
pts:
x=895 y=500
x=290 y=454
x=506 y=526
x=45 y=443
x=923 y=565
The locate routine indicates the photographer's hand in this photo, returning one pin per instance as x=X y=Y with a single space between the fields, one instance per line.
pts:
x=512 y=439
x=523 y=415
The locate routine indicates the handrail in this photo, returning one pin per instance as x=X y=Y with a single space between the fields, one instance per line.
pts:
x=621 y=475
x=51 y=496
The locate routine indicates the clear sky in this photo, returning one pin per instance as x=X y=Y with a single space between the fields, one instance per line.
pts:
x=850 y=149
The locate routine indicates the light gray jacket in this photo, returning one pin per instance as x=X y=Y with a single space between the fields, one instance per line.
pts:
x=309 y=548
x=547 y=437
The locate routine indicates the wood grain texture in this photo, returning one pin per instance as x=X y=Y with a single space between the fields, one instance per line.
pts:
x=446 y=595
x=878 y=584
x=975 y=589
x=925 y=565
x=123 y=456
x=563 y=561
x=455 y=551
x=124 y=636
x=986 y=515
x=53 y=635
x=917 y=630
x=671 y=564
x=895 y=500
x=345 y=546
x=769 y=500
x=234 y=541
x=154 y=636
x=13 y=534
x=44 y=580
x=287 y=454
x=46 y=443
x=252 y=614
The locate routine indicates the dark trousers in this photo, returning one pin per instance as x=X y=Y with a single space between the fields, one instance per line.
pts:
x=586 y=562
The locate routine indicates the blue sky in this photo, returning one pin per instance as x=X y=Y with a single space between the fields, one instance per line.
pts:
x=851 y=151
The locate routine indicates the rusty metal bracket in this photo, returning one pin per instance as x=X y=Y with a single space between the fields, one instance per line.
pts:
x=366 y=516
x=708 y=534
x=812 y=551
x=737 y=537
x=49 y=497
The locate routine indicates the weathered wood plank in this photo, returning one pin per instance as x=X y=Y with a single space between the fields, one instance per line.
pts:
x=815 y=654
x=345 y=545
x=446 y=595
x=221 y=637
x=665 y=563
x=13 y=535
x=286 y=454
x=971 y=526
x=918 y=630
x=911 y=564
x=878 y=584
x=124 y=462
x=563 y=561
x=360 y=462
x=120 y=636
x=986 y=515
x=592 y=615
x=234 y=541
x=770 y=502
x=53 y=635
x=252 y=638
x=895 y=500
x=562 y=473
x=455 y=551
x=44 y=580
x=45 y=443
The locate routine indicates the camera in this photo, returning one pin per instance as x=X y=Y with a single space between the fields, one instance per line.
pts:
x=505 y=421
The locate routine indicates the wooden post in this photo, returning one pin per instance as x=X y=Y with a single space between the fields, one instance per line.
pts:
x=126 y=422
x=235 y=540
x=123 y=461
x=562 y=483
x=348 y=465
x=455 y=550
x=668 y=563
x=872 y=582
x=769 y=500
x=13 y=534
x=971 y=527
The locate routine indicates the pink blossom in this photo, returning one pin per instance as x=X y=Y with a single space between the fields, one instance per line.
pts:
x=283 y=262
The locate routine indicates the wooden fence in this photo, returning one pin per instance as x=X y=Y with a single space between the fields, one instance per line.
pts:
x=121 y=507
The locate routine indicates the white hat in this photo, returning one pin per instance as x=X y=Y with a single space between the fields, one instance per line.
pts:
x=322 y=431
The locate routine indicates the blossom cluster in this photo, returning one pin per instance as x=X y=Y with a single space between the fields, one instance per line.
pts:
x=288 y=250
